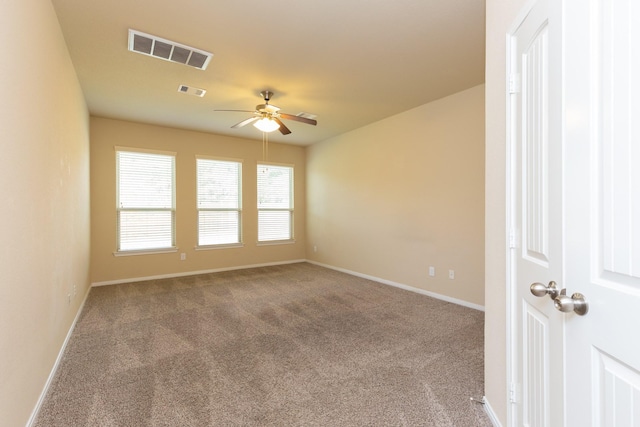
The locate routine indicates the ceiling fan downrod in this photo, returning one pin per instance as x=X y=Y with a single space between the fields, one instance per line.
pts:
x=266 y=95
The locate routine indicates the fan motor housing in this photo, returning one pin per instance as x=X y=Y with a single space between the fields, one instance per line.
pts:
x=267 y=108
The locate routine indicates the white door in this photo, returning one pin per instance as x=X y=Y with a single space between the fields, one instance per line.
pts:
x=602 y=199
x=536 y=215
x=576 y=213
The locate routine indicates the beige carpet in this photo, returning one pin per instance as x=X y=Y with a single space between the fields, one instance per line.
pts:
x=292 y=345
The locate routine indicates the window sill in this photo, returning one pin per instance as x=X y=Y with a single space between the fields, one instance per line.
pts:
x=224 y=246
x=275 y=242
x=146 y=252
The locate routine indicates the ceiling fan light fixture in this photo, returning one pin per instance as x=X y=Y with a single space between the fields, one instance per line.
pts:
x=270 y=117
x=265 y=124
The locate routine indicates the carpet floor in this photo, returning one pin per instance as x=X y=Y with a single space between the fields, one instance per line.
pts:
x=290 y=345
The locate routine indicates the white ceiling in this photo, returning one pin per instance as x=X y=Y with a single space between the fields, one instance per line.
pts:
x=350 y=62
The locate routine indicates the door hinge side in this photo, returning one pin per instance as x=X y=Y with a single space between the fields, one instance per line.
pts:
x=514 y=83
x=513 y=239
x=513 y=393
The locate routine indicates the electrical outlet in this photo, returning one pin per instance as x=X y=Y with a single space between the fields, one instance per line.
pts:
x=432 y=271
x=315 y=248
x=183 y=256
x=75 y=290
x=451 y=274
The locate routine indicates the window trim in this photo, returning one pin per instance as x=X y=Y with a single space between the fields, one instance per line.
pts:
x=239 y=209
x=147 y=251
x=291 y=208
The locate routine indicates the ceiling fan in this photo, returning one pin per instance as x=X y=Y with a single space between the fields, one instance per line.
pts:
x=267 y=117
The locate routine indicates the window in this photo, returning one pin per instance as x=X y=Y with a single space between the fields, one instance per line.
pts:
x=145 y=200
x=275 y=203
x=219 y=202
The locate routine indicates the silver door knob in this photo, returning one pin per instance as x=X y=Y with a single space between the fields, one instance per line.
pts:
x=575 y=302
x=540 y=290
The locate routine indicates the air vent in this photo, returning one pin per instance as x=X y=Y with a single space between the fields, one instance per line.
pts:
x=147 y=44
x=191 y=90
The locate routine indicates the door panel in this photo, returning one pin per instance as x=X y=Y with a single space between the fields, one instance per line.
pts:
x=535 y=143
x=620 y=137
x=575 y=127
x=535 y=367
x=536 y=216
x=617 y=392
x=602 y=198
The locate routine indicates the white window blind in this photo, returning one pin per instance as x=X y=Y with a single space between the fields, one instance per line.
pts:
x=219 y=202
x=145 y=200
x=275 y=203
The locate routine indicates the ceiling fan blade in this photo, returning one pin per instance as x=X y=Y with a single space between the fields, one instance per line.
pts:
x=244 y=122
x=283 y=129
x=299 y=119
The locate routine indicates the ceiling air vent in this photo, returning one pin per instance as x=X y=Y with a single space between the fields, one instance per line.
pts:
x=147 y=44
x=192 y=90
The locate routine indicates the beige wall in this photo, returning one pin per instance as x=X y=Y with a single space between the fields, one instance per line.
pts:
x=107 y=133
x=44 y=220
x=501 y=15
x=390 y=199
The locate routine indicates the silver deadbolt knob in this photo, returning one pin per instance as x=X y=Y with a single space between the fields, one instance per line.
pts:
x=575 y=302
x=540 y=290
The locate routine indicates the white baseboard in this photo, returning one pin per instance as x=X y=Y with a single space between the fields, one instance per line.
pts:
x=492 y=415
x=242 y=267
x=193 y=273
x=52 y=374
x=295 y=261
x=402 y=286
